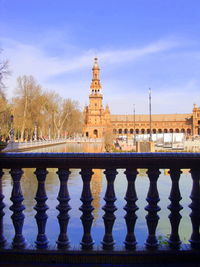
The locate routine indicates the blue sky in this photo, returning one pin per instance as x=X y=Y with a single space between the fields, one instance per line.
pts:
x=139 y=43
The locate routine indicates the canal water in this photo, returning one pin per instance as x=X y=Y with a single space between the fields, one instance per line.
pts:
x=98 y=186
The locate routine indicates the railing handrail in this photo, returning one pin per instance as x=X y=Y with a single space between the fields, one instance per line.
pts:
x=100 y=160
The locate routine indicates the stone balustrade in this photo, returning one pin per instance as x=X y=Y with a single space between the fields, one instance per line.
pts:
x=110 y=162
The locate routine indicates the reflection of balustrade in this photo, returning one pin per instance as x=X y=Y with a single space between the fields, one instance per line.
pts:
x=110 y=162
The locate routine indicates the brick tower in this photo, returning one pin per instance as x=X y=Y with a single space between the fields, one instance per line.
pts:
x=96 y=118
x=196 y=120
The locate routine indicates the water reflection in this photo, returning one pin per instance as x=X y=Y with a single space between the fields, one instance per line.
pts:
x=72 y=147
x=98 y=187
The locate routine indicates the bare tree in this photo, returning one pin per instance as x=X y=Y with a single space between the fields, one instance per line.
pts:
x=52 y=115
x=4 y=72
x=108 y=139
x=27 y=104
x=4 y=106
x=62 y=114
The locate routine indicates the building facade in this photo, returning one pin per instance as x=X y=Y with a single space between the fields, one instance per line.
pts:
x=98 y=120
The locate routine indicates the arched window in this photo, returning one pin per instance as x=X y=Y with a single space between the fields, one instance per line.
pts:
x=114 y=131
x=131 y=131
x=171 y=130
x=183 y=130
x=125 y=131
x=143 y=131
x=120 y=131
x=177 y=131
x=154 y=131
x=159 y=130
x=165 y=131
x=95 y=132
x=148 y=131
x=188 y=131
x=137 y=131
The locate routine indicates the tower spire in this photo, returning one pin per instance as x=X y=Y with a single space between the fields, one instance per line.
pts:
x=95 y=86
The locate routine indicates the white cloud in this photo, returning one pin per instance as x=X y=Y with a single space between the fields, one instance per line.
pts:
x=33 y=60
x=169 y=99
x=120 y=56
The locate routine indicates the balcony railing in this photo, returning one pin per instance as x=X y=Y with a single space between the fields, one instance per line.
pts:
x=110 y=162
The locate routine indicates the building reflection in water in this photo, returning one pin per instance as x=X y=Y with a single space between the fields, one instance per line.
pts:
x=52 y=184
x=98 y=188
x=186 y=171
x=96 y=182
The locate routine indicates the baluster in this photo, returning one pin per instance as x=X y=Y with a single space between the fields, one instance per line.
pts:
x=41 y=207
x=86 y=208
x=2 y=206
x=109 y=208
x=130 y=208
x=195 y=207
x=175 y=207
x=63 y=207
x=17 y=208
x=152 y=208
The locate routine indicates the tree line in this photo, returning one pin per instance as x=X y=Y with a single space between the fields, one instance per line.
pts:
x=35 y=113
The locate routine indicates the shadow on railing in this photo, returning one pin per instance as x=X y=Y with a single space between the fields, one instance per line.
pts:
x=110 y=162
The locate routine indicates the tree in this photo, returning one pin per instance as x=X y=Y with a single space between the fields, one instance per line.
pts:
x=5 y=113
x=27 y=105
x=74 y=122
x=51 y=114
x=4 y=72
x=108 y=139
x=4 y=106
x=67 y=117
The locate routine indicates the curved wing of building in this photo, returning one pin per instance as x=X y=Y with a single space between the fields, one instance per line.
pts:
x=98 y=119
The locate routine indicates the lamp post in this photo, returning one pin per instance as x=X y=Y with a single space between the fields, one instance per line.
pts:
x=150 y=136
x=134 y=133
x=49 y=137
x=127 y=129
x=35 y=132
x=12 y=133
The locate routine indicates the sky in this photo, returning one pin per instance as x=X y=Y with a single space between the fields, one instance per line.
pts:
x=140 y=44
